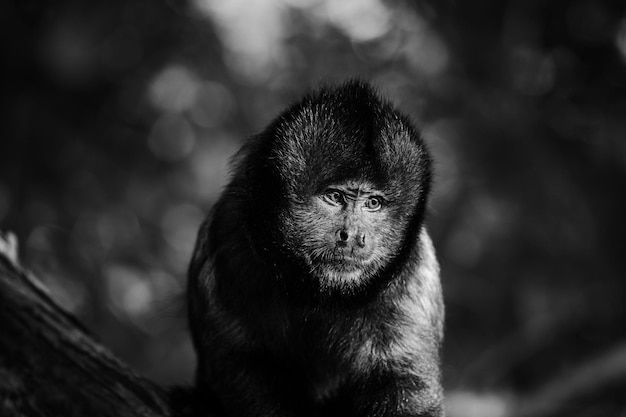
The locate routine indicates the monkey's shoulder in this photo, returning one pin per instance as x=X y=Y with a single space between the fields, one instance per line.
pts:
x=424 y=293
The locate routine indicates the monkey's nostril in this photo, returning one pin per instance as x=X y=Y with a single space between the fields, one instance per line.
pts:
x=343 y=235
x=360 y=240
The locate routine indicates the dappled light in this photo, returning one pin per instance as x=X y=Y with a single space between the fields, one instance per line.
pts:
x=257 y=34
x=171 y=137
x=174 y=89
x=620 y=39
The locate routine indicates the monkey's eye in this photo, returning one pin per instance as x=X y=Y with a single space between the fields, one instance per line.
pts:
x=333 y=197
x=373 y=203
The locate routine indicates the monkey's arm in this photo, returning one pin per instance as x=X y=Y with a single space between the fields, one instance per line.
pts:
x=255 y=385
x=404 y=388
x=232 y=364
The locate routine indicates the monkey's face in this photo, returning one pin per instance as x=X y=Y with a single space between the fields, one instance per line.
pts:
x=342 y=179
x=345 y=233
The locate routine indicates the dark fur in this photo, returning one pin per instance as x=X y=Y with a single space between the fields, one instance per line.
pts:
x=273 y=336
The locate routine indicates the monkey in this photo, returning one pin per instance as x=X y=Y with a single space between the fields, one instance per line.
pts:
x=314 y=287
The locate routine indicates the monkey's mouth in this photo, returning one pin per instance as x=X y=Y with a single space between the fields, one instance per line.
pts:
x=341 y=272
x=346 y=264
x=340 y=265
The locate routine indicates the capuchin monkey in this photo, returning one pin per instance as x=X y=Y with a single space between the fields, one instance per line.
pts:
x=314 y=288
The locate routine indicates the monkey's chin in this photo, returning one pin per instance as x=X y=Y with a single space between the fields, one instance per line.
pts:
x=334 y=277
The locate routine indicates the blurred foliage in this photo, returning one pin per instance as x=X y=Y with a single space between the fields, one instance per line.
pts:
x=118 y=119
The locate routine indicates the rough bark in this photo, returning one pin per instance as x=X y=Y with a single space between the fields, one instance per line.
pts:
x=51 y=366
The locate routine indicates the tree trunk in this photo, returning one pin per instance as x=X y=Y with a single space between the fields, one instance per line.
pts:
x=51 y=366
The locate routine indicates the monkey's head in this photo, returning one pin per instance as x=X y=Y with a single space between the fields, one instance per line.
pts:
x=338 y=183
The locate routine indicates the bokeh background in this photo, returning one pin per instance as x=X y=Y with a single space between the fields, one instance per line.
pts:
x=118 y=119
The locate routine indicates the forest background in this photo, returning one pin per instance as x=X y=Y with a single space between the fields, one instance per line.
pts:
x=118 y=119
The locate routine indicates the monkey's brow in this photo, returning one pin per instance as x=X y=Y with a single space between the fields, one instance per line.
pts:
x=358 y=191
x=355 y=188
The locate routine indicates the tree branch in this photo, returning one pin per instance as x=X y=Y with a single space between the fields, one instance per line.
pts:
x=50 y=365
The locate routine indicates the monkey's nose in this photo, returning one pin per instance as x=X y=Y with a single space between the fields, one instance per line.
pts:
x=360 y=239
x=343 y=238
